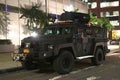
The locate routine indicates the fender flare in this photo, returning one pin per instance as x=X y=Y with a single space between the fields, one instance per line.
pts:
x=100 y=44
x=63 y=46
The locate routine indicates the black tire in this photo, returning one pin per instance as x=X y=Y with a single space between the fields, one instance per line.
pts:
x=63 y=64
x=99 y=57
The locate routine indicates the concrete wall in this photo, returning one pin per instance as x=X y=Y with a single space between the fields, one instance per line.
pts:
x=54 y=6
x=6 y=48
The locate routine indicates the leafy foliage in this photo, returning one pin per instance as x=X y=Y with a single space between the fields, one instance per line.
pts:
x=35 y=17
x=5 y=41
x=101 y=22
x=4 y=21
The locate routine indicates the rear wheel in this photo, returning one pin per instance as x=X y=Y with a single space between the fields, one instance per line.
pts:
x=64 y=62
x=99 y=57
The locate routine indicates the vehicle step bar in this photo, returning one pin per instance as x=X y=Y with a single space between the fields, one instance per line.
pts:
x=84 y=57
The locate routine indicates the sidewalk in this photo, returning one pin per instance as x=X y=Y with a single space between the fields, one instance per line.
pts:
x=113 y=48
x=6 y=62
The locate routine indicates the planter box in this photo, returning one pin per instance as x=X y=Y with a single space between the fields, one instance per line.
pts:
x=6 y=48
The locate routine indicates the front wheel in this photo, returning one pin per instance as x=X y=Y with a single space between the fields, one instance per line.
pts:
x=99 y=57
x=64 y=62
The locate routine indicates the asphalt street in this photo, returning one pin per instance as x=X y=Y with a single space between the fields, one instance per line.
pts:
x=110 y=70
x=83 y=70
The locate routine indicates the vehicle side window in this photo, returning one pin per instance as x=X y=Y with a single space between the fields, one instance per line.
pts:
x=67 y=30
x=57 y=31
x=63 y=31
x=48 y=32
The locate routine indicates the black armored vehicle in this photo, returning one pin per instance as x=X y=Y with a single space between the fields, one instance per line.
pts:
x=62 y=43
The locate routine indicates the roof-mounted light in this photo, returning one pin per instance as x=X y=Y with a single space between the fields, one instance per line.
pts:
x=34 y=34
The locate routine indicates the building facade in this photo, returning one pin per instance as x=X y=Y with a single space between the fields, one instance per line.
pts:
x=109 y=9
x=51 y=6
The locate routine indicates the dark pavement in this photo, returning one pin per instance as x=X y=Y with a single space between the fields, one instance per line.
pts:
x=110 y=70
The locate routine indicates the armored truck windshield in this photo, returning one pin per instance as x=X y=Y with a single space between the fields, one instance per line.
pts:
x=56 y=30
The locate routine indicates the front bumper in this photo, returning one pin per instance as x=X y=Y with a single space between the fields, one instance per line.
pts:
x=34 y=55
x=18 y=57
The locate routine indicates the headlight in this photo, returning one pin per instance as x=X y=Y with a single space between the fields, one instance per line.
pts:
x=34 y=34
x=27 y=45
x=50 y=46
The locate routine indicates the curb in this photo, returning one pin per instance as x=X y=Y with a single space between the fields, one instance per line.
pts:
x=2 y=71
x=113 y=51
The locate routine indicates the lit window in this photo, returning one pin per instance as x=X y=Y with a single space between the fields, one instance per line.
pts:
x=103 y=14
x=86 y=0
x=115 y=13
x=103 y=4
x=89 y=5
x=115 y=23
x=115 y=3
x=109 y=4
x=109 y=14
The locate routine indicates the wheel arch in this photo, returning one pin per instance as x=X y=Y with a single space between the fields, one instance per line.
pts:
x=100 y=47
x=97 y=46
x=68 y=49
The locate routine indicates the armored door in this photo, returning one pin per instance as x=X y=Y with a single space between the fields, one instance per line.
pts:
x=78 y=43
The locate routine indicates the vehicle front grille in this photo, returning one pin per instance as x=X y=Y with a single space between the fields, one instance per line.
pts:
x=35 y=46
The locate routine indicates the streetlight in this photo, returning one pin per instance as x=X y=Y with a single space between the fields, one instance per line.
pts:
x=46 y=6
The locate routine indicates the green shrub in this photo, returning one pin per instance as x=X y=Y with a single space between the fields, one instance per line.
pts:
x=5 y=41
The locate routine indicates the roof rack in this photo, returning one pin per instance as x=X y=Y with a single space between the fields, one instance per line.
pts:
x=80 y=17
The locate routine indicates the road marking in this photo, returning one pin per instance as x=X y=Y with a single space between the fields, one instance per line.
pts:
x=73 y=72
x=55 y=78
x=92 y=78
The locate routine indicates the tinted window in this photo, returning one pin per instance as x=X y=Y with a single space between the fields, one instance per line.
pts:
x=57 y=31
